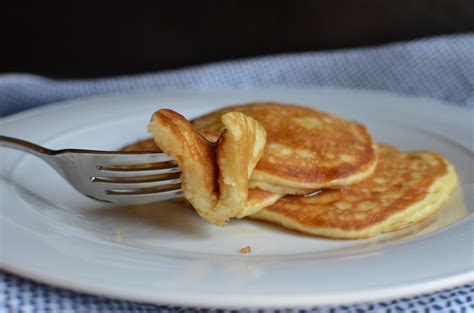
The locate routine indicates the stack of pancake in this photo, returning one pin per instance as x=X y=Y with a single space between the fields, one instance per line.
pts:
x=303 y=169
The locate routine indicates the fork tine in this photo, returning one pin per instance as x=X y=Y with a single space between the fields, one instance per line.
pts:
x=131 y=185
x=112 y=173
x=142 y=198
x=127 y=158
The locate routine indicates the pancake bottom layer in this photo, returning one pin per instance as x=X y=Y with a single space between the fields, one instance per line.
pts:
x=405 y=188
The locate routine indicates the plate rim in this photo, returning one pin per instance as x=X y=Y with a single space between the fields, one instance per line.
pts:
x=267 y=301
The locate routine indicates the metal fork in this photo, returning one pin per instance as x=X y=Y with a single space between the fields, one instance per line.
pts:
x=111 y=176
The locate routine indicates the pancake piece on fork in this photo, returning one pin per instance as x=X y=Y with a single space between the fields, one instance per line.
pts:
x=215 y=175
x=306 y=149
x=405 y=188
x=257 y=199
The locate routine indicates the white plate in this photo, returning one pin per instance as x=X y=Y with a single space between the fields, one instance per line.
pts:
x=164 y=253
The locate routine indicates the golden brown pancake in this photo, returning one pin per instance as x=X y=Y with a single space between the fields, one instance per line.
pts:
x=405 y=188
x=306 y=149
x=215 y=176
x=142 y=145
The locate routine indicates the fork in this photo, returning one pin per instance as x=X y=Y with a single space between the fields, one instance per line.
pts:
x=110 y=176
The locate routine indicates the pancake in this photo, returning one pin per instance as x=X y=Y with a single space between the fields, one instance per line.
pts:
x=215 y=175
x=306 y=149
x=405 y=188
x=142 y=145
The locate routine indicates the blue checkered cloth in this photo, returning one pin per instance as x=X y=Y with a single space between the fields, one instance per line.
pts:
x=440 y=67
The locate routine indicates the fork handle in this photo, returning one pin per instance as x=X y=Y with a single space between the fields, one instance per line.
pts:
x=25 y=146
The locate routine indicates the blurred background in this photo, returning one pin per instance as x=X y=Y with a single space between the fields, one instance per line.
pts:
x=105 y=38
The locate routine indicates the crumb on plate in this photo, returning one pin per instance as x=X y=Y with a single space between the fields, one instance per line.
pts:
x=245 y=250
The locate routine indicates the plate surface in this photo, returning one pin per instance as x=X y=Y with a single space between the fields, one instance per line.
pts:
x=164 y=253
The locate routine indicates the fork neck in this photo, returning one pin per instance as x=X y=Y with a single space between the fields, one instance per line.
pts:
x=25 y=146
